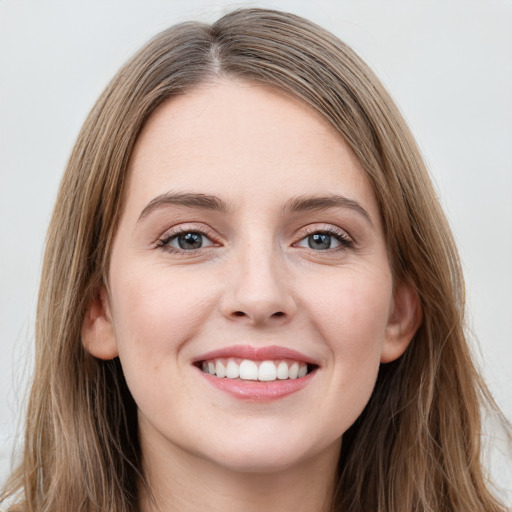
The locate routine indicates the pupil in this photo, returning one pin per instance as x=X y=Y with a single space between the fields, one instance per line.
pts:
x=319 y=241
x=190 y=241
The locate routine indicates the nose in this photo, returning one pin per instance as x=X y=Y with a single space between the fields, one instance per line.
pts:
x=259 y=289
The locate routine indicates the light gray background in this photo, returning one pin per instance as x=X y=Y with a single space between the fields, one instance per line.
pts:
x=447 y=63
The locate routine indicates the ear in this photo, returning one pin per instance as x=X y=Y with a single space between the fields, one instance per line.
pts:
x=98 y=335
x=404 y=319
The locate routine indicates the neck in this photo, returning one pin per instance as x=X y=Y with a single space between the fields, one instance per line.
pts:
x=186 y=483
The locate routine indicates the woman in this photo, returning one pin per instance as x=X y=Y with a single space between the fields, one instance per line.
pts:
x=251 y=299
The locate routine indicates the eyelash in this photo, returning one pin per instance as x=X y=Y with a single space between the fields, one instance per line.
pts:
x=163 y=243
x=339 y=235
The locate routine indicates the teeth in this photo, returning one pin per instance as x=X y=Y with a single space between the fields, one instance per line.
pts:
x=302 y=371
x=267 y=371
x=282 y=370
x=247 y=369
x=232 y=370
x=220 y=369
x=293 y=371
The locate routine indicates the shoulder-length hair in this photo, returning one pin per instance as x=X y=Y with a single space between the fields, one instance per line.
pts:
x=416 y=446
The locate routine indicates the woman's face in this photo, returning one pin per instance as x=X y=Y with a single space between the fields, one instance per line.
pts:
x=250 y=244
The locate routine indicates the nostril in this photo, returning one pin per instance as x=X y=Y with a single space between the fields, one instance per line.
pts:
x=241 y=313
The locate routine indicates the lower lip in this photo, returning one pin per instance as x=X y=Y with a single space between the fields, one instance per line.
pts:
x=257 y=390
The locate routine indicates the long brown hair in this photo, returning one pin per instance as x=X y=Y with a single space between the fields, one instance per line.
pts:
x=416 y=446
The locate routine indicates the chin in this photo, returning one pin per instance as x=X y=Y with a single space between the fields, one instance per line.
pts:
x=266 y=455
x=262 y=462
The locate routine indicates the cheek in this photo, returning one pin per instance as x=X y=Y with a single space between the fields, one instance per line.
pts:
x=154 y=317
x=351 y=320
x=354 y=308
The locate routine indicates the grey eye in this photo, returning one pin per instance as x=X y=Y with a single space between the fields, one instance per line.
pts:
x=190 y=241
x=319 y=241
x=186 y=241
x=325 y=240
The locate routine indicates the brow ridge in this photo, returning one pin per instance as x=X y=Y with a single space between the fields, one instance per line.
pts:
x=307 y=203
x=187 y=199
x=211 y=202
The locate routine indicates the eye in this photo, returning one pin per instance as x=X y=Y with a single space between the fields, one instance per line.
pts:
x=325 y=240
x=185 y=241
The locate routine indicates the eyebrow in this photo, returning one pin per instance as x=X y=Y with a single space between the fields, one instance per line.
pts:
x=189 y=200
x=210 y=202
x=319 y=203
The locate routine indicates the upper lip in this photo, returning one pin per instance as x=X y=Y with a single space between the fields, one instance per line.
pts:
x=256 y=354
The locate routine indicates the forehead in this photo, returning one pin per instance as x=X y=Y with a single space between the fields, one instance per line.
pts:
x=244 y=142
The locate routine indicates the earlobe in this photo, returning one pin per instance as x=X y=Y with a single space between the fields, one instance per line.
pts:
x=98 y=335
x=404 y=320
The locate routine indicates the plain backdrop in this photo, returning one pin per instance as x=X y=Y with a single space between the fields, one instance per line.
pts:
x=447 y=63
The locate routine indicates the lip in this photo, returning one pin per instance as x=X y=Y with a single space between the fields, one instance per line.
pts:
x=255 y=390
x=258 y=391
x=257 y=354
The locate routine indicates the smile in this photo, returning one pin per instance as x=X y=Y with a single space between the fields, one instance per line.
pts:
x=247 y=369
x=260 y=374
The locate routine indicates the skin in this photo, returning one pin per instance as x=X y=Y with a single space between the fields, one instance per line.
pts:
x=255 y=281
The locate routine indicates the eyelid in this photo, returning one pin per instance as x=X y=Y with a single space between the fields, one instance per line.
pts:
x=345 y=239
x=324 y=228
x=174 y=232
x=185 y=227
